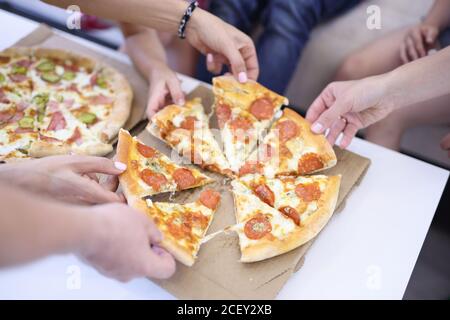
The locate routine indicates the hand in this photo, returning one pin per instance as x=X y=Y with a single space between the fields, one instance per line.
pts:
x=123 y=244
x=224 y=44
x=418 y=40
x=163 y=81
x=445 y=144
x=69 y=178
x=345 y=107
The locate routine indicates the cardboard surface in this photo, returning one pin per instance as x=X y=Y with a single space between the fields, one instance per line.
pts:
x=44 y=36
x=218 y=274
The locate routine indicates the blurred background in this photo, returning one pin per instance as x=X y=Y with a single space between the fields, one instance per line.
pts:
x=328 y=45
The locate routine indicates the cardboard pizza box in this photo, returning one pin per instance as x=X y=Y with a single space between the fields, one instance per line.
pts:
x=44 y=36
x=217 y=274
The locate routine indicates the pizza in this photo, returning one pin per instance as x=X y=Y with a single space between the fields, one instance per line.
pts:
x=55 y=102
x=186 y=129
x=290 y=148
x=183 y=225
x=150 y=172
x=244 y=111
x=275 y=216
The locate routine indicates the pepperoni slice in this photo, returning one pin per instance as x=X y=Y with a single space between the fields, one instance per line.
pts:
x=57 y=122
x=24 y=130
x=223 y=112
x=240 y=123
x=146 y=151
x=24 y=63
x=251 y=167
x=257 y=227
x=285 y=152
x=153 y=179
x=291 y=213
x=196 y=219
x=265 y=194
x=76 y=137
x=5 y=116
x=100 y=99
x=18 y=77
x=48 y=139
x=309 y=162
x=308 y=191
x=22 y=105
x=262 y=109
x=184 y=178
x=17 y=116
x=178 y=230
x=210 y=198
x=52 y=106
x=189 y=123
x=287 y=129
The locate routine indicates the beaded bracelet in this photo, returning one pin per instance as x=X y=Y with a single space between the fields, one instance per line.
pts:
x=187 y=15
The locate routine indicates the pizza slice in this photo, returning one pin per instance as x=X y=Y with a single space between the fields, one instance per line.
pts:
x=290 y=148
x=150 y=171
x=186 y=129
x=303 y=211
x=244 y=111
x=183 y=225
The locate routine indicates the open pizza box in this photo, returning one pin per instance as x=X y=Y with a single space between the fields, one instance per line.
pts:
x=217 y=273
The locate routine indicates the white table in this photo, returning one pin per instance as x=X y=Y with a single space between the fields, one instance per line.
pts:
x=367 y=251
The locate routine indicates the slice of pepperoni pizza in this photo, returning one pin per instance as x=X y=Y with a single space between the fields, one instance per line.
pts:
x=304 y=205
x=244 y=111
x=183 y=225
x=186 y=129
x=150 y=172
x=290 y=148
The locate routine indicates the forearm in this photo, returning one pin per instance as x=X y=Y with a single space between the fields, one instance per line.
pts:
x=439 y=14
x=420 y=80
x=144 y=48
x=31 y=227
x=161 y=15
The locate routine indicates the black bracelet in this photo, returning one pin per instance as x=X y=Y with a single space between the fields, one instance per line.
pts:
x=187 y=15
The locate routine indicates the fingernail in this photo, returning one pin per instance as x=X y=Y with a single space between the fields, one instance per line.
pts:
x=316 y=127
x=209 y=58
x=242 y=77
x=120 y=166
x=180 y=102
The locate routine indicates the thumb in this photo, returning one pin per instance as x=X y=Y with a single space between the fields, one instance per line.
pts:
x=159 y=264
x=430 y=35
x=237 y=63
x=175 y=90
x=328 y=117
x=156 y=95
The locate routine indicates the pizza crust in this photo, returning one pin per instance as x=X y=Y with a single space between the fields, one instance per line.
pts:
x=39 y=149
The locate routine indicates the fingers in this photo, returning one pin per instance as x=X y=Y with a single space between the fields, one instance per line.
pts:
x=403 y=54
x=92 y=164
x=418 y=42
x=349 y=133
x=251 y=61
x=430 y=35
x=157 y=94
x=213 y=64
x=411 y=49
x=337 y=127
x=154 y=234
x=110 y=183
x=159 y=264
x=94 y=193
x=237 y=63
x=445 y=142
x=176 y=93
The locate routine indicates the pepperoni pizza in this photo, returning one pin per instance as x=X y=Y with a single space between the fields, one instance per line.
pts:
x=244 y=111
x=183 y=225
x=277 y=215
x=290 y=148
x=150 y=171
x=186 y=129
x=55 y=102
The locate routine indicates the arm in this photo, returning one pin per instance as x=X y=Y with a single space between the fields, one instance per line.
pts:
x=205 y=32
x=439 y=14
x=113 y=238
x=345 y=107
x=148 y=55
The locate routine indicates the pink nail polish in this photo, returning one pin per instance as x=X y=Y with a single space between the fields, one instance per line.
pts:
x=316 y=127
x=209 y=58
x=120 y=166
x=242 y=77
